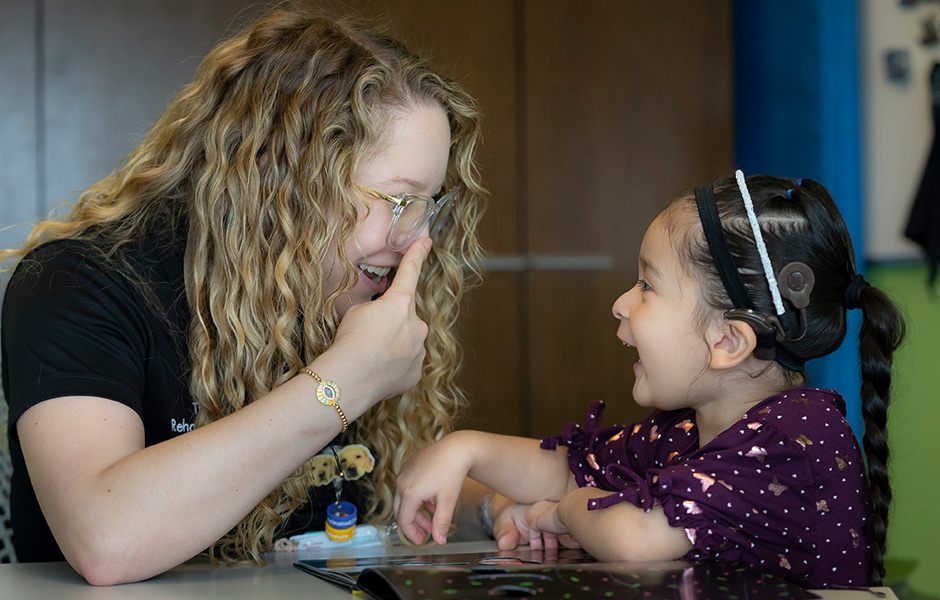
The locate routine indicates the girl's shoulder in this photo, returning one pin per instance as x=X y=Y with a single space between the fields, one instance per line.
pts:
x=799 y=404
x=806 y=415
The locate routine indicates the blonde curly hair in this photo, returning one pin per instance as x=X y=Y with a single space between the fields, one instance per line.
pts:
x=252 y=164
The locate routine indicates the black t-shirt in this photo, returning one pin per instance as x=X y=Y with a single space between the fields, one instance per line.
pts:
x=75 y=325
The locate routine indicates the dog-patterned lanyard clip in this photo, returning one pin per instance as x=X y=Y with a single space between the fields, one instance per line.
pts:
x=348 y=463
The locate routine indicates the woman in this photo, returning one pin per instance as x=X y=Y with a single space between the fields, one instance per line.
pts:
x=165 y=343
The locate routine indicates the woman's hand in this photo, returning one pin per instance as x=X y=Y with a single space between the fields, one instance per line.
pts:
x=431 y=481
x=379 y=350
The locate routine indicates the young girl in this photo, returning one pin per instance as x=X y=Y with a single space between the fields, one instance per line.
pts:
x=740 y=284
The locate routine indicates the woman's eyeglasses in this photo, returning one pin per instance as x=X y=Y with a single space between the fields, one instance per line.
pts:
x=412 y=212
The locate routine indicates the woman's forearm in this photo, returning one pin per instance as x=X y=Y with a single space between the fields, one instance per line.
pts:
x=122 y=512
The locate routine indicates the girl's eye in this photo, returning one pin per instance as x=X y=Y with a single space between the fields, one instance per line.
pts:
x=643 y=285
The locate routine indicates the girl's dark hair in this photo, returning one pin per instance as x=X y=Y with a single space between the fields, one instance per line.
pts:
x=800 y=222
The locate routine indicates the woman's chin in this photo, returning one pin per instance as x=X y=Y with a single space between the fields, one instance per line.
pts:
x=356 y=296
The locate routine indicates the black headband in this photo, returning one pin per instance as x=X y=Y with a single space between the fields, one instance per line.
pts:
x=718 y=246
x=731 y=278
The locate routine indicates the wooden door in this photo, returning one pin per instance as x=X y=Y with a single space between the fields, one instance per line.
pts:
x=627 y=104
x=596 y=114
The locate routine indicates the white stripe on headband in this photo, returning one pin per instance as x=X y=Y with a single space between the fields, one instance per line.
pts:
x=759 y=240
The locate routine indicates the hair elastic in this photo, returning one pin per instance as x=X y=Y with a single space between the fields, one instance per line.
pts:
x=852 y=297
x=759 y=240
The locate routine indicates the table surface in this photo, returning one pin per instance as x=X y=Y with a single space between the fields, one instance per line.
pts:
x=279 y=579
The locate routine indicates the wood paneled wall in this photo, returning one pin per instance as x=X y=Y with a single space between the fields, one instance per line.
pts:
x=596 y=114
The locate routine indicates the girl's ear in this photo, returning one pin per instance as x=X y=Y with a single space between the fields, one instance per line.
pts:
x=733 y=343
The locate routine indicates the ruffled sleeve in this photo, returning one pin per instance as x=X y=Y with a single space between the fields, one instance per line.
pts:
x=577 y=438
x=583 y=443
x=616 y=458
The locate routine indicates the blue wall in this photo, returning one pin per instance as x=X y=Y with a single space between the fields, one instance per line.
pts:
x=797 y=115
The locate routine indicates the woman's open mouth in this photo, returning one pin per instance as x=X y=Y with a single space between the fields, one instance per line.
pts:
x=375 y=274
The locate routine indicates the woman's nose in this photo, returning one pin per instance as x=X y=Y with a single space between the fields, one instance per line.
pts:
x=425 y=230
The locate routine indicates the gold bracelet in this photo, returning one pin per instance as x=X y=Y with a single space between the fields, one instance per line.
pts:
x=328 y=394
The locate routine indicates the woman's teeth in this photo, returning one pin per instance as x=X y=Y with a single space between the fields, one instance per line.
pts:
x=375 y=273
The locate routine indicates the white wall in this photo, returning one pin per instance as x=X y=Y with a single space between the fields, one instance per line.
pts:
x=897 y=122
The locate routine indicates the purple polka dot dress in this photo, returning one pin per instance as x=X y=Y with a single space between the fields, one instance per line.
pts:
x=783 y=489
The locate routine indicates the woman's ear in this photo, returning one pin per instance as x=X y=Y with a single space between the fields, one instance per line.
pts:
x=733 y=343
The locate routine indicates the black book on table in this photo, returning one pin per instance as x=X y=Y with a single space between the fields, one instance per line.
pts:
x=567 y=574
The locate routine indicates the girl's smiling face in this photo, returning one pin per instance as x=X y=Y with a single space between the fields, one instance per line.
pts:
x=658 y=317
x=411 y=158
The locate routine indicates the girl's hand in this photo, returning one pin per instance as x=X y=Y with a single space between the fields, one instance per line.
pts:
x=379 y=345
x=518 y=523
x=543 y=522
x=431 y=481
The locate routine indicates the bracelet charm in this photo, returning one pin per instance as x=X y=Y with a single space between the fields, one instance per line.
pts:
x=327 y=392
x=328 y=395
